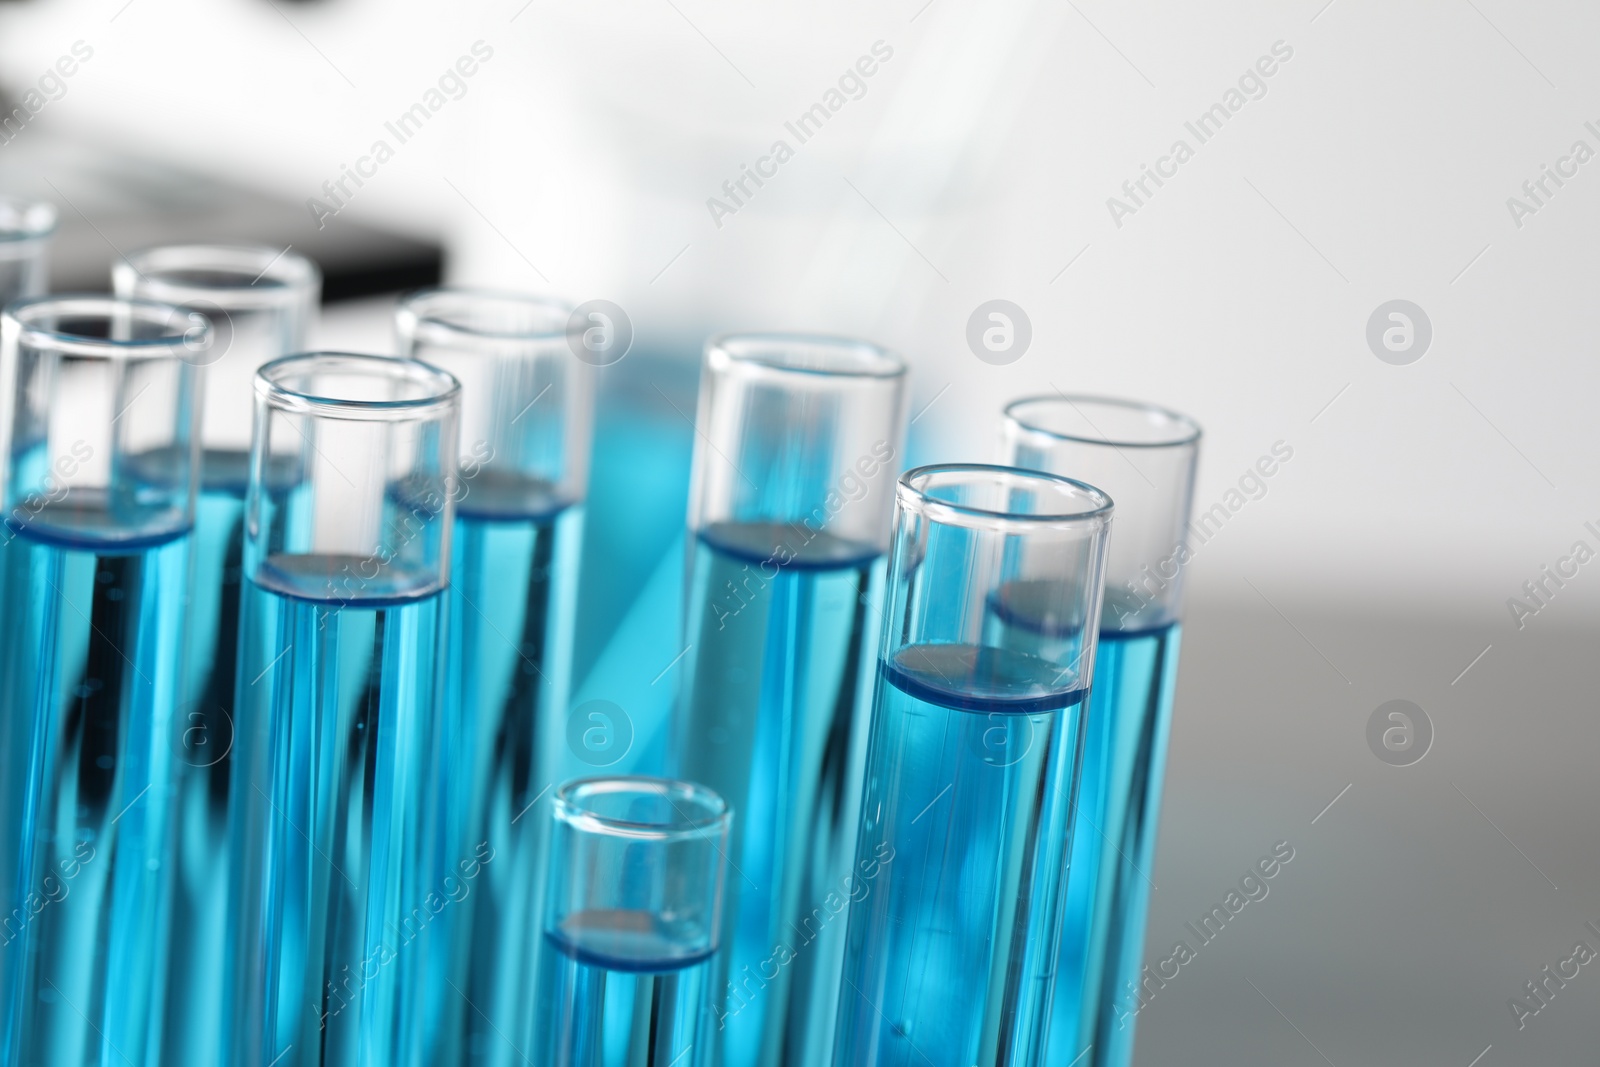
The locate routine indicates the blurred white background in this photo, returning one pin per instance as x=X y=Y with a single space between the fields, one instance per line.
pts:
x=1375 y=164
x=977 y=165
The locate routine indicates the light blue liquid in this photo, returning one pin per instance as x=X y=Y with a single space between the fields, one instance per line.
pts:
x=512 y=601
x=92 y=647
x=784 y=622
x=336 y=894
x=966 y=814
x=196 y=951
x=1113 y=847
x=619 y=990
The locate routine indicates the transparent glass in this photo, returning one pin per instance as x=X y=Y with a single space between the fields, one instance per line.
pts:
x=352 y=477
x=797 y=446
x=527 y=403
x=638 y=869
x=1145 y=457
x=99 y=406
x=333 y=879
x=261 y=302
x=25 y=231
x=527 y=407
x=995 y=584
x=785 y=421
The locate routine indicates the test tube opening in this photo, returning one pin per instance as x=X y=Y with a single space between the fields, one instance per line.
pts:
x=26 y=220
x=798 y=437
x=993 y=607
x=235 y=276
x=1000 y=498
x=261 y=301
x=1146 y=457
x=637 y=872
x=26 y=227
x=756 y=354
x=352 y=492
x=1105 y=421
x=441 y=316
x=527 y=399
x=101 y=400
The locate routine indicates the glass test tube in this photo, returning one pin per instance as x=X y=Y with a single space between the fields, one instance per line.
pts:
x=1145 y=457
x=795 y=459
x=261 y=302
x=526 y=411
x=348 y=520
x=99 y=404
x=638 y=867
x=25 y=231
x=995 y=584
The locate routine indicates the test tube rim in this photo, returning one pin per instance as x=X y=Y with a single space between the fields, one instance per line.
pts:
x=883 y=364
x=445 y=397
x=715 y=821
x=298 y=274
x=1192 y=431
x=434 y=329
x=179 y=345
x=43 y=212
x=911 y=492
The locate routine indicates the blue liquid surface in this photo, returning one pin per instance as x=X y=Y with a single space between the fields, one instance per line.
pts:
x=90 y=680
x=1113 y=847
x=965 y=814
x=619 y=991
x=334 y=761
x=784 y=624
x=512 y=601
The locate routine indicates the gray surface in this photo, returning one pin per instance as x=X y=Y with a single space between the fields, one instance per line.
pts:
x=1408 y=917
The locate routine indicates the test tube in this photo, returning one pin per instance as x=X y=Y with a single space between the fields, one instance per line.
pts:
x=348 y=520
x=25 y=231
x=1145 y=457
x=638 y=867
x=261 y=302
x=797 y=442
x=526 y=411
x=995 y=584
x=99 y=406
